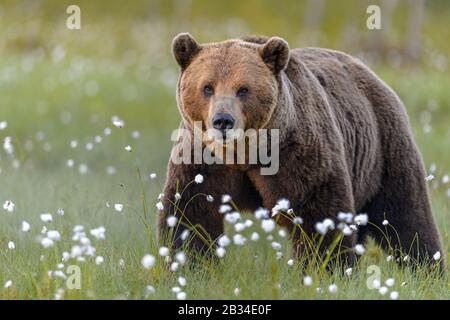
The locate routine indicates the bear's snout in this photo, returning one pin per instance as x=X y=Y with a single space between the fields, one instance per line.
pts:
x=223 y=122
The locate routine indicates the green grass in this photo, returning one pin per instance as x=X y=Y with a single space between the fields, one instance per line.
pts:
x=138 y=85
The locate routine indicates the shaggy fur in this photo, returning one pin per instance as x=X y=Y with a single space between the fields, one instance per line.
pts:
x=346 y=144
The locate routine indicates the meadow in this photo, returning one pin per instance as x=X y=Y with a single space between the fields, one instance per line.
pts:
x=61 y=94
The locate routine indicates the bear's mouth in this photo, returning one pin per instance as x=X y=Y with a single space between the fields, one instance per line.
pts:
x=223 y=137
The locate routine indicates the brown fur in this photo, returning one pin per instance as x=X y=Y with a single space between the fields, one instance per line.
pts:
x=346 y=144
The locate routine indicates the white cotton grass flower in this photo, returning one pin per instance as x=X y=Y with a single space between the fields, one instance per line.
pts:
x=46 y=217
x=290 y=262
x=276 y=245
x=209 y=198
x=98 y=233
x=73 y=144
x=135 y=134
x=181 y=257
x=389 y=258
x=117 y=122
x=185 y=234
x=70 y=163
x=429 y=177
x=65 y=256
x=176 y=289
x=282 y=233
x=239 y=239
x=3 y=125
x=237 y=291
x=389 y=282
x=148 y=261
x=361 y=219
x=54 y=235
x=261 y=213
x=224 y=208
x=149 y=289
x=346 y=230
x=9 y=206
x=152 y=175
x=383 y=290
x=99 y=260
x=60 y=212
x=59 y=294
x=107 y=131
x=8 y=146
x=297 y=220
x=437 y=256
x=181 y=295
x=177 y=196
x=385 y=222
x=332 y=288
x=44 y=230
x=232 y=217
x=128 y=148
x=254 y=236
x=25 y=226
x=182 y=281
x=376 y=283
x=307 y=281
x=171 y=221
x=76 y=251
x=160 y=206
x=11 y=245
x=248 y=223
x=282 y=206
x=118 y=207
x=239 y=227
x=198 y=179
x=174 y=266
x=121 y=263
x=226 y=198
x=220 y=252
x=83 y=168
x=346 y=217
x=223 y=241
x=8 y=284
x=47 y=243
x=359 y=249
x=163 y=251
x=394 y=295
x=348 y=272
x=89 y=146
x=268 y=225
x=445 y=179
x=324 y=226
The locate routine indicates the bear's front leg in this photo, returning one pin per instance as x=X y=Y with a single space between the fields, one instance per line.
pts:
x=192 y=194
x=313 y=201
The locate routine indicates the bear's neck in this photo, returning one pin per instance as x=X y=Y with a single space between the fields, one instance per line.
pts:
x=285 y=111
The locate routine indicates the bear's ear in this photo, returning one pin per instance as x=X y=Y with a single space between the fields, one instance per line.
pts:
x=184 y=48
x=275 y=53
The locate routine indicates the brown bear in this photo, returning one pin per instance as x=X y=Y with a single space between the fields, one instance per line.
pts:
x=345 y=144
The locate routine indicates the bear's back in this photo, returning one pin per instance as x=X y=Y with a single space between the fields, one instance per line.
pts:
x=343 y=80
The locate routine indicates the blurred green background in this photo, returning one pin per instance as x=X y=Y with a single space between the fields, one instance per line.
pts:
x=59 y=85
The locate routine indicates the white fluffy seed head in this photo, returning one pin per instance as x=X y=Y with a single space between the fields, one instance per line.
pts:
x=148 y=261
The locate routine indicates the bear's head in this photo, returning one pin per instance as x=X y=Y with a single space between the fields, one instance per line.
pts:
x=229 y=85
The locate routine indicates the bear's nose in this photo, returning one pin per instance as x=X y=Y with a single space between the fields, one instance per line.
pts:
x=223 y=121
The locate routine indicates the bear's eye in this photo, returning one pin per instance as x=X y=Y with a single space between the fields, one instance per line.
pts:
x=208 y=90
x=242 y=92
